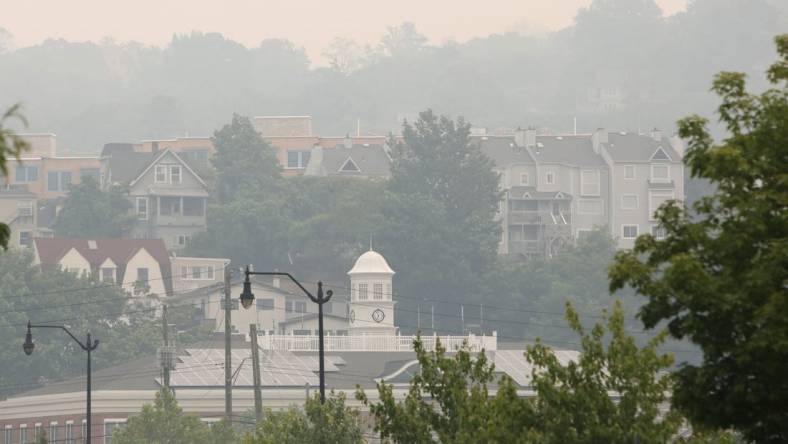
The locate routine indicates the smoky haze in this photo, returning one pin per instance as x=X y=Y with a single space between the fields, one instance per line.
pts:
x=655 y=67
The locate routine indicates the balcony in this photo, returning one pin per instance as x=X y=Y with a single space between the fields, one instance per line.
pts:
x=539 y=218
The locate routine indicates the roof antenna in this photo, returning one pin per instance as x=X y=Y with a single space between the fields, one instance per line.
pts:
x=370 y=242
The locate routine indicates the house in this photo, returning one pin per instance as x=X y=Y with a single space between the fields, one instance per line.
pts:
x=191 y=273
x=557 y=187
x=647 y=171
x=168 y=196
x=294 y=141
x=365 y=307
x=133 y=264
x=18 y=210
x=350 y=160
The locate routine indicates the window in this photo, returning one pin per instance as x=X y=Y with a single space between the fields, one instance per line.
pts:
x=549 y=178
x=109 y=427
x=175 y=174
x=298 y=159
x=181 y=240
x=377 y=291
x=629 y=202
x=26 y=173
x=656 y=199
x=142 y=275
x=589 y=182
x=629 y=172
x=265 y=304
x=142 y=208
x=107 y=274
x=197 y=272
x=25 y=209
x=658 y=232
x=161 y=174
x=295 y=307
x=209 y=272
x=8 y=435
x=70 y=433
x=589 y=206
x=524 y=179
x=58 y=180
x=193 y=206
x=25 y=239
x=39 y=432
x=629 y=231
x=52 y=432
x=170 y=206
x=660 y=173
x=362 y=292
x=23 y=434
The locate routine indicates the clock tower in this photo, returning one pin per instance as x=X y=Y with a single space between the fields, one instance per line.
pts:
x=371 y=301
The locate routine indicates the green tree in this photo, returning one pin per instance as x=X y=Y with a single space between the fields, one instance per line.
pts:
x=719 y=277
x=449 y=401
x=574 y=401
x=11 y=145
x=314 y=424
x=90 y=212
x=164 y=422
x=244 y=161
x=439 y=227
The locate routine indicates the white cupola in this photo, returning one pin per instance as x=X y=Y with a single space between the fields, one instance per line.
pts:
x=371 y=301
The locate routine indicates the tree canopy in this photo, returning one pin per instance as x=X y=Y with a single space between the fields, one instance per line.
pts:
x=90 y=212
x=11 y=145
x=718 y=278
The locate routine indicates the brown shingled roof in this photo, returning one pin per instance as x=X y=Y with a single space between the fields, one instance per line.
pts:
x=120 y=251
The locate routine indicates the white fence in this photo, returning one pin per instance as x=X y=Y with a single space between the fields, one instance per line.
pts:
x=376 y=343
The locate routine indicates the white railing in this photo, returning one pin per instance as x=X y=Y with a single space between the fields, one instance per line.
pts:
x=377 y=343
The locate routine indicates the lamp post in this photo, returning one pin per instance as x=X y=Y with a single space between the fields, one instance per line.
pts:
x=89 y=346
x=247 y=298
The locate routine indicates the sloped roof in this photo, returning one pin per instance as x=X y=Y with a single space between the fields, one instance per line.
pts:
x=571 y=150
x=371 y=160
x=120 y=251
x=632 y=147
x=502 y=150
x=126 y=165
x=518 y=192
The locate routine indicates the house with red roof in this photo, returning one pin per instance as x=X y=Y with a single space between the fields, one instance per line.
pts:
x=130 y=263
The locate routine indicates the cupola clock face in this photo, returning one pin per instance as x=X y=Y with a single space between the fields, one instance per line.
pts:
x=378 y=315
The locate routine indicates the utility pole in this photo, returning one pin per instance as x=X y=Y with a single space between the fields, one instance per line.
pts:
x=258 y=395
x=165 y=355
x=228 y=372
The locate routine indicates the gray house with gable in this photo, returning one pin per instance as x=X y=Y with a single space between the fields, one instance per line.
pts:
x=168 y=196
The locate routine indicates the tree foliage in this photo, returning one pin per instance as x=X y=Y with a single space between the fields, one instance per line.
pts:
x=719 y=277
x=164 y=422
x=90 y=212
x=244 y=162
x=614 y=392
x=11 y=145
x=316 y=423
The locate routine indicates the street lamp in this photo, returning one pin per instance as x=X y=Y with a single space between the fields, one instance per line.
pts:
x=247 y=298
x=89 y=346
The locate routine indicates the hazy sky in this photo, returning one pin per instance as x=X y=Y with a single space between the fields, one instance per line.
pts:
x=309 y=23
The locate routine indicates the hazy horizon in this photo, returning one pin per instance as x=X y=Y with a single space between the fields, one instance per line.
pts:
x=308 y=24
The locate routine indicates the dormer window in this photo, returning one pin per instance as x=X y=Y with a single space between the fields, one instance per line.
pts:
x=524 y=179
x=108 y=274
x=550 y=178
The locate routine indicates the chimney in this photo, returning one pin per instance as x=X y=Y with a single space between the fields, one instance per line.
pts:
x=598 y=139
x=656 y=134
x=348 y=141
x=678 y=144
x=525 y=138
x=154 y=147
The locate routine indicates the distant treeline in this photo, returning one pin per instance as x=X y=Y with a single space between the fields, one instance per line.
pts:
x=621 y=65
